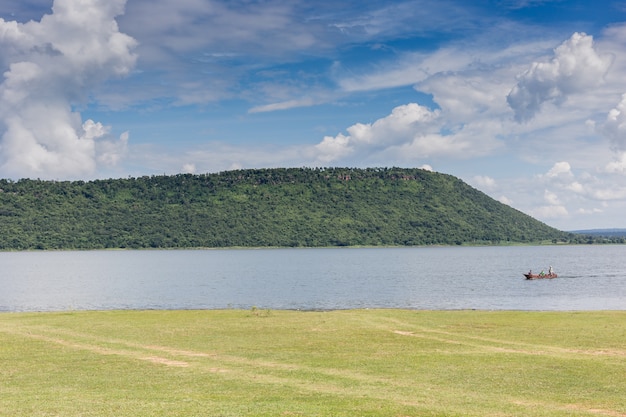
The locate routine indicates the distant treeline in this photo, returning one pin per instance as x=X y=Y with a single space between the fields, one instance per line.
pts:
x=610 y=234
x=294 y=207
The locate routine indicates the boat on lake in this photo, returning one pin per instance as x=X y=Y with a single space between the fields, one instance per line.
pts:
x=540 y=276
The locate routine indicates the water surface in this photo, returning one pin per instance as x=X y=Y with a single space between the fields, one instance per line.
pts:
x=591 y=277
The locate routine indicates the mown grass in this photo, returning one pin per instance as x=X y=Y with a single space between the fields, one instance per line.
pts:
x=339 y=363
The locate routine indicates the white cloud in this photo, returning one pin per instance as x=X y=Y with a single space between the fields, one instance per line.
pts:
x=551 y=198
x=285 y=105
x=333 y=148
x=404 y=126
x=190 y=168
x=110 y=152
x=618 y=166
x=576 y=67
x=408 y=69
x=550 y=212
x=220 y=27
x=465 y=95
x=560 y=169
x=589 y=211
x=51 y=66
x=609 y=192
x=576 y=187
x=615 y=125
x=403 y=74
x=472 y=116
x=568 y=193
x=483 y=181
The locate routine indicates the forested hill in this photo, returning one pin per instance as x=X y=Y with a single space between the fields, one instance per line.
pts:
x=257 y=208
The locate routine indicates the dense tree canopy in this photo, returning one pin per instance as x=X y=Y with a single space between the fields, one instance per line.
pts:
x=297 y=207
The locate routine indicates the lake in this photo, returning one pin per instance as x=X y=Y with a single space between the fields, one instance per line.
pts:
x=591 y=277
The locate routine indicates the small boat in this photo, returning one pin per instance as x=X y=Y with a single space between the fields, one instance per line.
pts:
x=540 y=276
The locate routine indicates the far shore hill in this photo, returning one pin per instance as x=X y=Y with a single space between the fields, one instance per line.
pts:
x=279 y=207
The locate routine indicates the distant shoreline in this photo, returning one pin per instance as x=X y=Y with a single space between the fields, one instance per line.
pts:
x=467 y=245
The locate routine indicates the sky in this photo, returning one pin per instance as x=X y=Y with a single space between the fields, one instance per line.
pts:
x=524 y=100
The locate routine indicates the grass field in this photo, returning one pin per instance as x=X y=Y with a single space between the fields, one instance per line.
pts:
x=338 y=363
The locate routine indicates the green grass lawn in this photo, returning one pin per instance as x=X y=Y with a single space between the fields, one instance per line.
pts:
x=338 y=363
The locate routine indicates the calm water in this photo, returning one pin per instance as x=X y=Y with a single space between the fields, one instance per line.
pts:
x=590 y=278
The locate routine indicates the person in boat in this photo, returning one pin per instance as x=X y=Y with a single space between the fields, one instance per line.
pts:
x=542 y=273
x=550 y=272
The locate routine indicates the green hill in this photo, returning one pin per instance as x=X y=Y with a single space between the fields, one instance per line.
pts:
x=256 y=208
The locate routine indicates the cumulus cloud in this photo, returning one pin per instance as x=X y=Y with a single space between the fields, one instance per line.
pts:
x=467 y=95
x=576 y=187
x=568 y=192
x=404 y=125
x=618 y=166
x=110 y=152
x=551 y=198
x=575 y=67
x=560 y=169
x=50 y=67
x=615 y=125
x=412 y=133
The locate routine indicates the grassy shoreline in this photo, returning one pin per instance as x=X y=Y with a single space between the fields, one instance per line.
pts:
x=316 y=363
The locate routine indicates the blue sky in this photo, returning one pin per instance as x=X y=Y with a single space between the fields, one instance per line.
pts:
x=523 y=99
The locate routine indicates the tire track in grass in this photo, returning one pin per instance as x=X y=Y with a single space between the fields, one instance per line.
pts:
x=577 y=408
x=130 y=349
x=505 y=346
x=516 y=347
x=330 y=381
x=534 y=405
x=98 y=349
x=335 y=382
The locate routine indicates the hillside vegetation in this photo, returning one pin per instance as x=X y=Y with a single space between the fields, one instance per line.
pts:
x=257 y=208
